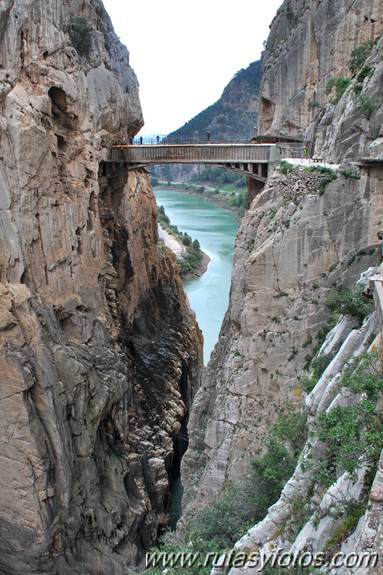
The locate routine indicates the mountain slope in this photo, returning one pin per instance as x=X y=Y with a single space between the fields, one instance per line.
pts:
x=233 y=116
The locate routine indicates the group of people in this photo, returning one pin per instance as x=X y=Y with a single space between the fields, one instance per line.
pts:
x=141 y=141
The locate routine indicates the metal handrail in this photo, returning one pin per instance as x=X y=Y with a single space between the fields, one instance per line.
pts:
x=179 y=141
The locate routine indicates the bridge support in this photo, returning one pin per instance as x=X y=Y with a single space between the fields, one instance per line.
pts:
x=254 y=187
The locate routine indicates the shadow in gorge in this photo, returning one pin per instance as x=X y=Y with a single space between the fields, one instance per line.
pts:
x=180 y=445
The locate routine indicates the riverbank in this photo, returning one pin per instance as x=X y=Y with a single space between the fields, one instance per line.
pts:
x=218 y=197
x=215 y=229
x=179 y=250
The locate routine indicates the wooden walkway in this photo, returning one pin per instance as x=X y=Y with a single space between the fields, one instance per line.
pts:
x=251 y=159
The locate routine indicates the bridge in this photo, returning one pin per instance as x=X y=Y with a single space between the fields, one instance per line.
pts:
x=250 y=159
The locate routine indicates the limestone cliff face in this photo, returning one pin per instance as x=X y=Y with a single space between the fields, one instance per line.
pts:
x=294 y=244
x=99 y=352
x=310 y=43
x=308 y=526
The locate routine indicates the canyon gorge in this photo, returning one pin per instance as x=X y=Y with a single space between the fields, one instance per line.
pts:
x=101 y=363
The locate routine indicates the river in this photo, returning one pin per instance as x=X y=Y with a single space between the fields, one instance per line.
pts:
x=215 y=229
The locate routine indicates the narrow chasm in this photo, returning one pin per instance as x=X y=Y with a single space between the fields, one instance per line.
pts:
x=180 y=445
x=162 y=344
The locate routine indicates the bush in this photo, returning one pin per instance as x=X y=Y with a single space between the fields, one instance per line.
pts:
x=244 y=502
x=354 y=431
x=352 y=511
x=163 y=219
x=191 y=258
x=80 y=35
x=359 y=55
x=285 y=167
x=317 y=368
x=238 y=200
x=350 y=301
x=154 y=181
x=313 y=104
x=186 y=240
x=367 y=105
x=340 y=84
x=330 y=176
x=349 y=174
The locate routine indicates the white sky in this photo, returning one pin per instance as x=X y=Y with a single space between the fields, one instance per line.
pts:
x=185 y=53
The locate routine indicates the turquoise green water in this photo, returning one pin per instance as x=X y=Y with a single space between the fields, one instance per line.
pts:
x=215 y=229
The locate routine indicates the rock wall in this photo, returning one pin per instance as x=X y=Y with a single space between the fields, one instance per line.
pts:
x=310 y=43
x=309 y=526
x=294 y=245
x=99 y=351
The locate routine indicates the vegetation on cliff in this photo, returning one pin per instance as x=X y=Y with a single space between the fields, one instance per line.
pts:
x=344 y=300
x=217 y=526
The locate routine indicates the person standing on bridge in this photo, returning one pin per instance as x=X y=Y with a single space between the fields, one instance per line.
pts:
x=141 y=140
x=208 y=136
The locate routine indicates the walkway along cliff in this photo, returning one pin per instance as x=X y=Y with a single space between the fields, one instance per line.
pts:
x=99 y=351
x=307 y=234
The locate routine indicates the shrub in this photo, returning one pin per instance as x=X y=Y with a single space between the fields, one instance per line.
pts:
x=317 y=368
x=366 y=104
x=325 y=181
x=238 y=200
x=349 y=174
x=354 y=431
x=244 y=502
x=313 y=104
x=352 y=511
x=350 y=301
x=340 y=84
x=163 y=219
x=80 y=35
x=285 y=167
x=329 y=173
x=359 y=55
x=191 y=258
x=186 y=240
x=365 y=71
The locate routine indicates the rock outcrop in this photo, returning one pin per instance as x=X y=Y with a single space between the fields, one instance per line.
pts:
x=322 y=512
x=99 y=351
x=309 y=44
x=293 y=246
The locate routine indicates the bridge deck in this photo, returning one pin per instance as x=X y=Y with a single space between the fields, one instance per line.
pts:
x=248 y=158
x=198 y=153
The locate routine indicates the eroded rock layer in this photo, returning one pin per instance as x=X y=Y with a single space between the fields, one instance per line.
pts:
x=293 y=245
x=310 y=44
x=99 y=352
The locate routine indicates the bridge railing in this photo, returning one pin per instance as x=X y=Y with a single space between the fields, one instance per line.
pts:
x=180 y=141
